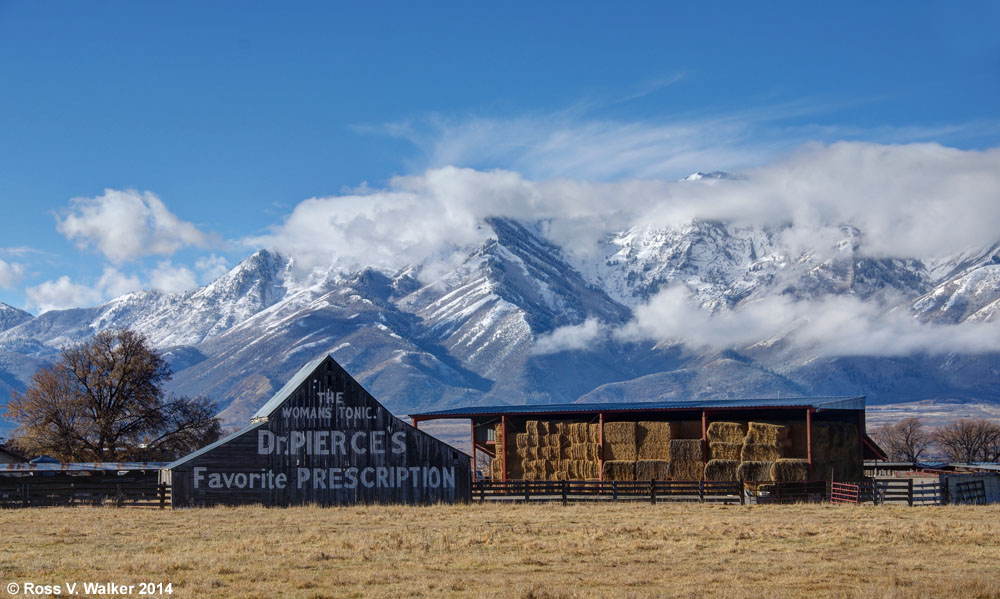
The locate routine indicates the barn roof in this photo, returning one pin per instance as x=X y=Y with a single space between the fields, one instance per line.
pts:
x=293 y=383
x=212 y=446
x=817 y=403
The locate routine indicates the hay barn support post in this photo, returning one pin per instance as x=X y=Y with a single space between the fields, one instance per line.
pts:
x=861 y=432
x=475 y=469
x=704 y=436
x=600 y=449
x=503 y=448
x=809 y=441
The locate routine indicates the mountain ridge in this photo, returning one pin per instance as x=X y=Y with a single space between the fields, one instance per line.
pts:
x=471 y=335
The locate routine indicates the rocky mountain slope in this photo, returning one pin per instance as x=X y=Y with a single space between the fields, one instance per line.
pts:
x=472 y=334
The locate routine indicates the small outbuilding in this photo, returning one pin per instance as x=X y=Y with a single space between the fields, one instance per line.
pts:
x=321 y=439
x=10 y=456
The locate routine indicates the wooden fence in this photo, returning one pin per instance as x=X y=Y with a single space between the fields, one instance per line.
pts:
x=99 y=490
x=653 y=491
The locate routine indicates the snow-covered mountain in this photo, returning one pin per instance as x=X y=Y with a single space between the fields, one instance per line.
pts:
x=471 y=333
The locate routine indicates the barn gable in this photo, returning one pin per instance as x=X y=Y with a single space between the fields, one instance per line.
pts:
x=322 y=438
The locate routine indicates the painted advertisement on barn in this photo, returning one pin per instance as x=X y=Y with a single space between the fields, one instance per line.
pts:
x=322 y=440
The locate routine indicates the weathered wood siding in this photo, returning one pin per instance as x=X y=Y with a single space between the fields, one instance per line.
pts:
x=329 y=443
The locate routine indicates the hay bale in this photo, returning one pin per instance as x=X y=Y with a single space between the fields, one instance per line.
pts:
x=686 y=459
x=653 y=440
x=523 y=440
x=554 y=440
x=760 y=452
x=550 y=453
x=620 y=441
x=577 y=432
x=837 y=449
x=718 y=450
x=619 y=432
x=790 y=470
x=726 y=432
x=532 y=428
x=799 y=438
x=619 y=470
x=544 y=427
x=496 y=467
x=593 y=470
x=593 y=451
x=768 y=434
x=721 y=470
x=594 y=432
x=754 y=472
x=577 y=451
x=652 y=470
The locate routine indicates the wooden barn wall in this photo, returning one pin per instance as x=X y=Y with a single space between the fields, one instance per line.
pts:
x=330 y=443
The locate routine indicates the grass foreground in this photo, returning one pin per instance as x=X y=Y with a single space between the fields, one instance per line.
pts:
x=522 y=551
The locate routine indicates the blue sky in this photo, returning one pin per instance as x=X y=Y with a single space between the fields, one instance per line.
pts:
x=229 y=115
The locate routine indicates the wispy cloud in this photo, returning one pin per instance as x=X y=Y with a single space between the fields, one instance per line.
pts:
x=10 y=274
x=578 y=143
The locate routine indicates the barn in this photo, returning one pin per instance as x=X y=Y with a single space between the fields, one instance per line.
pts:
x=321 y=439
x=751 y=440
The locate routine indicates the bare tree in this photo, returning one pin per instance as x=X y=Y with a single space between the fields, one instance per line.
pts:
x=905 y=441
x=103 y=401
x=969 y=440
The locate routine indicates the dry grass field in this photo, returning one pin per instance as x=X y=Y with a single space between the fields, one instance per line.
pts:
x=535 y=551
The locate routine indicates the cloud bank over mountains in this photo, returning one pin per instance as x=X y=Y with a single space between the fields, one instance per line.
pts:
x=920 y=201
x=924 y=201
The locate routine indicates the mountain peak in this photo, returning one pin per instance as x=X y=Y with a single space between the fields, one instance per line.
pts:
x=11 y=317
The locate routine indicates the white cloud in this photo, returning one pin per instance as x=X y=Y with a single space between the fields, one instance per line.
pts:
x=10 y=274
x=172 y=278
x=830 y=326
x=578 y=143
x=921 y=201
x=114 y=283
x=569 y=338
x=125 y=225
x=211 y=268
x=61 y=294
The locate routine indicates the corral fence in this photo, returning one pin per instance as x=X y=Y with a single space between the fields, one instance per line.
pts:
x=878 y=491
x=652 y=491
x=142 y=491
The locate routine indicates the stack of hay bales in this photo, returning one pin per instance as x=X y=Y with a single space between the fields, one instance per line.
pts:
x=579 y=452
x=620 y=450
x=496 y=464
x=653 y=449
x=686 y=459
x=837 y=451
x=620 y=440
x=763 y=445
x=725 y=442
x=755 y=452
x=552 y=450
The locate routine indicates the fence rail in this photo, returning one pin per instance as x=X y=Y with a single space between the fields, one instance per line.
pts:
x=653 y=491
x=845 y=493
x=44 y=491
